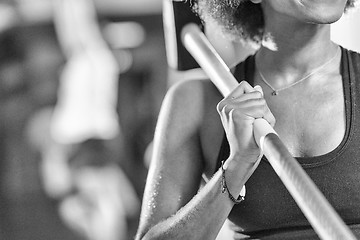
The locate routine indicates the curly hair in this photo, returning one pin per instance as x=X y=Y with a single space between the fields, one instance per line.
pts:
x=241 y=20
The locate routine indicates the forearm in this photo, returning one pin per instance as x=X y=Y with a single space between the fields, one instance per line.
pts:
x=203 y=216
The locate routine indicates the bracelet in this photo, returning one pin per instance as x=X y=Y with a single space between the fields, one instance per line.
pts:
x=225 y=188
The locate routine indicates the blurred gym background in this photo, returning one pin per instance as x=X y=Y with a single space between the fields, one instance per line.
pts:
x=81 y=84
x=85 y=181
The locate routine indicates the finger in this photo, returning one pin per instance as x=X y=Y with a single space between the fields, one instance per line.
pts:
x=231 y=101
x=260 y=112
x=259 y=89
x=252 y=112
x=255 y=108
x=254 y=95
x=247 y=100
x=268 y=116
x=243 y=87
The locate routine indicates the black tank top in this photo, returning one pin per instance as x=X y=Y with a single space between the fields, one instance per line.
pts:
x=269 y=211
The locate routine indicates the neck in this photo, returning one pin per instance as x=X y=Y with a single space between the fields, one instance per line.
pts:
x=301 y=47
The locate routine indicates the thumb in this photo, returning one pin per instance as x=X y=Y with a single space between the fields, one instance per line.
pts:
x=259 y=89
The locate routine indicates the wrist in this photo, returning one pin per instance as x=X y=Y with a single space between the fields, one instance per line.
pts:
x=238 y=161
x=238 y=171
x=225 y=189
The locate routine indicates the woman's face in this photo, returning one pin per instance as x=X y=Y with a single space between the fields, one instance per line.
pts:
x=309 y=11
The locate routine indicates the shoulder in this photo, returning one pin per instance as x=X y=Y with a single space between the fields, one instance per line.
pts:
x=190 y=88
x=183 y=107
x=188 y=107
x=189 y=110
x=191 y=94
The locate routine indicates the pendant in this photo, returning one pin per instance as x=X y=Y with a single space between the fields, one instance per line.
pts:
x=274 y=93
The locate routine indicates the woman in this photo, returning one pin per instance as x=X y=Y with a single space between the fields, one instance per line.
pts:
x=306 y=82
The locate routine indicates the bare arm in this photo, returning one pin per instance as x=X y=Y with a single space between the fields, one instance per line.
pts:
x=172 y=206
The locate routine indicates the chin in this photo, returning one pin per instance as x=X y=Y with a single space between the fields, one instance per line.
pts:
x=325 y=16
x=332 y=10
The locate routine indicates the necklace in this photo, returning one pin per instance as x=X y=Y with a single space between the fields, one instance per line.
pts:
x=276 y=91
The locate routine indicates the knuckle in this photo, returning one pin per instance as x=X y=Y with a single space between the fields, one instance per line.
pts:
x=257 y=94
x=243 y=82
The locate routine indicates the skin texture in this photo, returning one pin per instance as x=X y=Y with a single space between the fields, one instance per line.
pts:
x=194 y=117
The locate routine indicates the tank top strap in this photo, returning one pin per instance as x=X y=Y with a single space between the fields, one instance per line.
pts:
x=353 y=59
x=245 y=70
